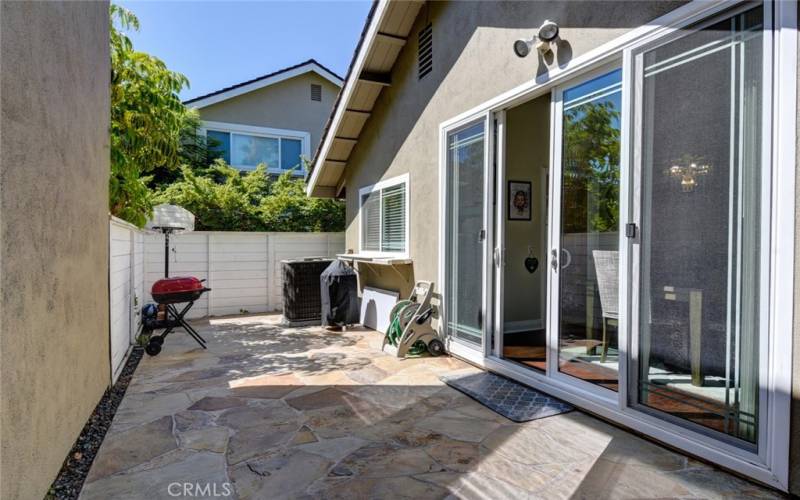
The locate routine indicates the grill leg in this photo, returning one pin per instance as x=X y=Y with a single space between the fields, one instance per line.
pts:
x=178 y=315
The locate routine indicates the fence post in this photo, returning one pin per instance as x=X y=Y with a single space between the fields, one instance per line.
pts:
x=209 y=299
x=132 y=287
x=270 y=283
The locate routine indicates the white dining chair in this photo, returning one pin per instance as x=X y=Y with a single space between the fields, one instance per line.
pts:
x=606 y=265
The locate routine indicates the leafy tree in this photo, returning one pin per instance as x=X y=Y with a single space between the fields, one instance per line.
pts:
x=225 y=199
x=220 y=197
x=148 y=120
x=158 y=156
x=289 y=209
x=591 y=168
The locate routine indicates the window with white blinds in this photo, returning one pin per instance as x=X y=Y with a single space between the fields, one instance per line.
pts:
x=383 y=217
x=371 y=222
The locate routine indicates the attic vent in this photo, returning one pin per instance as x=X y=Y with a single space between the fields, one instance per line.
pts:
x=316 y=92
x=425 y=51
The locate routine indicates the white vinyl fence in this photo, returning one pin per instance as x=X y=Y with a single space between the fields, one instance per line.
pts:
x=126 y=287
x=243 y=270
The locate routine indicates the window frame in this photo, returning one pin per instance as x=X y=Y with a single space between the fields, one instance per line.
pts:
x=267 y=132
x=378 y=187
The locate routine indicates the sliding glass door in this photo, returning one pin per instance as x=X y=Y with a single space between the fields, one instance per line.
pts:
x=584 y=258
x=465 y=233
x=668 y=261
x=702 y=245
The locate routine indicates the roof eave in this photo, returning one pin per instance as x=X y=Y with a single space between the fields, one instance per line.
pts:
x=374 y=21
x=265 y=81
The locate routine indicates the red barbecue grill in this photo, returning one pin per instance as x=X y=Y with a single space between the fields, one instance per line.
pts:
x=169 y=292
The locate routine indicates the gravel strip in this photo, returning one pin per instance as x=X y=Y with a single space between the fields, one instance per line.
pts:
x=76 y=467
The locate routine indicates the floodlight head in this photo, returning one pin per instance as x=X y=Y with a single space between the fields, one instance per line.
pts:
x=545 y=35
x=522 y=47
x=548 y=31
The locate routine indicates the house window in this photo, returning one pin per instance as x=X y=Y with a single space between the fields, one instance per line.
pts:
x=244 y=149
x=384 y=217
x=219 y=143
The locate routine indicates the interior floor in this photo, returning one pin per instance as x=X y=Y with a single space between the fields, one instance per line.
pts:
x=671 y=395
x=528 y=348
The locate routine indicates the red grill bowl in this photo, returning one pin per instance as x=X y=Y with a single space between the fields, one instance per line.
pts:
x=178 y=289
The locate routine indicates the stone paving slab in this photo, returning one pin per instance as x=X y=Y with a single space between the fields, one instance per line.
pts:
x=275 y=412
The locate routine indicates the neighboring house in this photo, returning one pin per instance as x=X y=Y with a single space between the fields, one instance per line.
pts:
x=644 y=158
x=275 y=119
x=54 y=326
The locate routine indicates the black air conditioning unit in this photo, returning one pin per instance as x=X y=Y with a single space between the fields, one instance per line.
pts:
x=301 y=292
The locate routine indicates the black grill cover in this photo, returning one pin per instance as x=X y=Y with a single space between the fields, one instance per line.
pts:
x=339 y=293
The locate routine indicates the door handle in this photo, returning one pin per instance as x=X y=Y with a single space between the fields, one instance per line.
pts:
x=554 y=259
x=569 y=258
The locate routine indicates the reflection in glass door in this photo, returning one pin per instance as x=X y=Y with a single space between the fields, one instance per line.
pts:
x=701 y=228
x=465 y=232
x=585 y=257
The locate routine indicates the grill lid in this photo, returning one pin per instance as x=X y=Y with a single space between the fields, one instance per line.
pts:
x=178 y=284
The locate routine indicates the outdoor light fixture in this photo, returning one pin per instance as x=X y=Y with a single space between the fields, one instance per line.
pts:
x=688 y=170
x=542 y=40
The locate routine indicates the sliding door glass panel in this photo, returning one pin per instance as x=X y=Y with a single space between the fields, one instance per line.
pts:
x=589 y=239
x=465 y=233
x=700 y=277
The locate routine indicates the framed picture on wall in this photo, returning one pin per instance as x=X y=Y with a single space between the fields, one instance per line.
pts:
x=519 y=200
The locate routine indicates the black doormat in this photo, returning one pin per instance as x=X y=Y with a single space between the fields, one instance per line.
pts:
x=508 y=398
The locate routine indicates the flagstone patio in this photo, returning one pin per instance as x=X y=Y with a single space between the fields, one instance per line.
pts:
x=274 y=412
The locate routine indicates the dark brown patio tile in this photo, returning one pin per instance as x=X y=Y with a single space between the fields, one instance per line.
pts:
x=216 y=403
x=385 y=460
x=321 y=399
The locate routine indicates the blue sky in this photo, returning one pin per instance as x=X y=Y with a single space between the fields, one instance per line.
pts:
x=217 y=44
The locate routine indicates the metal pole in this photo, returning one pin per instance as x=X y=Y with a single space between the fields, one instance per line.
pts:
x=166 y=253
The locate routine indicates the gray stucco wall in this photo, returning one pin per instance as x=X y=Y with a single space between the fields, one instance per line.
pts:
x=794 y=458
x=286 y=105
x=54 y=162
x=473 y=61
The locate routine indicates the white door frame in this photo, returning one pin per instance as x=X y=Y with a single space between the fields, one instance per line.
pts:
x=554 y=251
x=499 y=254
x=475 y=354
x=772 y=466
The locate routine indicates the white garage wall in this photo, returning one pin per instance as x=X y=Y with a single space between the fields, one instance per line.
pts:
x=243 y=270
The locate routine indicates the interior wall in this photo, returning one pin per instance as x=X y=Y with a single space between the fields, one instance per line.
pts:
x=527 y=159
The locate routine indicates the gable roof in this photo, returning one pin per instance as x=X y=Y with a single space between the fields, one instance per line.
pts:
x=310 y=66
x=385 y=33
